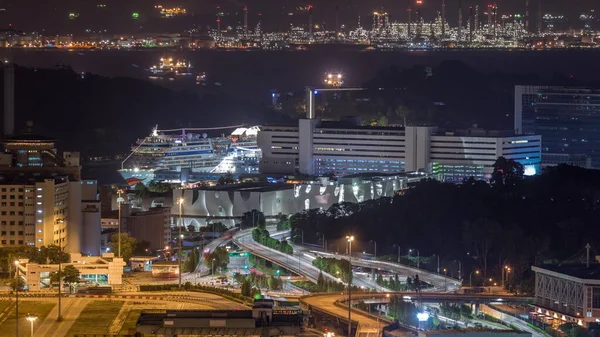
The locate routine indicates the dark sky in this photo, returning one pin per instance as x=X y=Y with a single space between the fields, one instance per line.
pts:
x=52 y=15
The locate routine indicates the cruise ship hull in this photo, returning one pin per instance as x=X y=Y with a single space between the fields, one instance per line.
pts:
x=191 y=157
x=134 y=177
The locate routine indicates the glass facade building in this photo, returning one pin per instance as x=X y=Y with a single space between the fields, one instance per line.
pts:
x=567 y=118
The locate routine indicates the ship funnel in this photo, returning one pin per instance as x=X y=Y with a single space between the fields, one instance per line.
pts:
x=9 y=98
x=310 y=103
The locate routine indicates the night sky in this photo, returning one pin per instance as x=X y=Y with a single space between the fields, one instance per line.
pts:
x=52 y=15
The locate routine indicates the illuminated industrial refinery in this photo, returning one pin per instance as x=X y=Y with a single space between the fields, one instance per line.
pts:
x=456 y=26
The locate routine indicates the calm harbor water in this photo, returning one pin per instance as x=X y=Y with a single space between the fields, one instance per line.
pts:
x=252 y=74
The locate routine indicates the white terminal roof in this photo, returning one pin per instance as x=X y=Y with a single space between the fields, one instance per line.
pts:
x=251 y=131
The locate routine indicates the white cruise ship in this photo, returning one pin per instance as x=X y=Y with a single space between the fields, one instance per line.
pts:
x=184 y=155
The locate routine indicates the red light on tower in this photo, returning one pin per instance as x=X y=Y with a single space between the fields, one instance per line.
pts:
x=490 y=6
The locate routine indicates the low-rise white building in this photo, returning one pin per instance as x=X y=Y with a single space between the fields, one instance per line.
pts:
x=96 y=270
x=567 y=293
x=225 y=203
x=317 y=147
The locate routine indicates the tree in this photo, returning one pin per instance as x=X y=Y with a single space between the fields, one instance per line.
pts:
x=140 y=190
x=220 y=256
x=507 y=172
x=403 y=112
x=192 y=260
x=217 y=227
x=283 y=223
x=17 y=283
x=128 y=245
x=70 y=275
x=52 y=254
x=246 y=288
x=275 y=283
x=321 y=281
x=227 y=179
x=481 y=236
x=157 y=187
x=253 y=218
x=141 y=248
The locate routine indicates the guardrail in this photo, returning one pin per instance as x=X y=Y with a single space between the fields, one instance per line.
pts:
x=291 y=267
x=369 y=263
x=340 y=304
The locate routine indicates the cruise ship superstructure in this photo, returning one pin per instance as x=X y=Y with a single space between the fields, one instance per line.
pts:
x=185 y=155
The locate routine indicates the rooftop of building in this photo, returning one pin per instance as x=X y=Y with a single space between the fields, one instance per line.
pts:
x=27 y=136
x=136 y=212
x=355 y=124
x=369 y=175
x=475 y=131
x=580 y=271
x=575 y=89
x=110 y=214
x=467 y=331
x=12 y=177
x=165 y=263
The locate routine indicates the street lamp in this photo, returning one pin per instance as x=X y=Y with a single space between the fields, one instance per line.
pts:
x=350 y=238
x=212 y=266
x=31 y=319
x=375 y=243
x=17 y=295
x=396 y=245
x=324 y=241
x=180 y=202
x=506 y=270
x=459 y=270
x=120 y=200
x=301 y=231
x=445 y=277
x=418 y=255
x=470 y=277
x=59 y=292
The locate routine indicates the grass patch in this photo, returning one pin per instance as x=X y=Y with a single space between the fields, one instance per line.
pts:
x=514 y=327
x=538 y=329
x=40 y=309
x=130 y=321
x=96 y=318
x=306 y=285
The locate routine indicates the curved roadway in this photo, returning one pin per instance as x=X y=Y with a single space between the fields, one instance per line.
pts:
x=299 y=263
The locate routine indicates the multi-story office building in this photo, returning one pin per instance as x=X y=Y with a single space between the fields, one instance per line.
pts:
x=43 y=199
x=567 y=118
x=153 y=226
x=315 y=147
